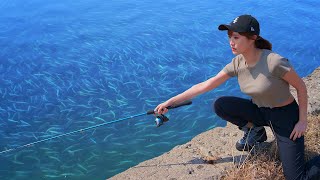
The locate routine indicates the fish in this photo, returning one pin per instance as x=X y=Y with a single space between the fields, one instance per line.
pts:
x=100 y=119
x=54 y=158
x=82 y=167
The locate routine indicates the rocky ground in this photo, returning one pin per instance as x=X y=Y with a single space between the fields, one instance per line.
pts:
x=209 y=154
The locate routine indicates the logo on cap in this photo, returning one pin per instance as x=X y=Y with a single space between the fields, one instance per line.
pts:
x=235 y=20
x=252 y=29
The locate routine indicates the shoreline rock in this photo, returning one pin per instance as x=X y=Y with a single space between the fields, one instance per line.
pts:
x=211 y=153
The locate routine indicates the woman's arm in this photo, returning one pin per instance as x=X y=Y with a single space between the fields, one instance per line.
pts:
x=193 y=91
x=293 y=79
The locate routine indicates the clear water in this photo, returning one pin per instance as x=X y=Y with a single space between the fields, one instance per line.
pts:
x=67 y=65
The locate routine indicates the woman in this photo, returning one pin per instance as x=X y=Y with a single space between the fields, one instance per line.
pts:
x=265 y=76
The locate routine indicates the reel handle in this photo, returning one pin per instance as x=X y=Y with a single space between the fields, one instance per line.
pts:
x=184 y=103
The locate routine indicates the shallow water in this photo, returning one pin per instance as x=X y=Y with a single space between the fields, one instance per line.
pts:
x=67 y=65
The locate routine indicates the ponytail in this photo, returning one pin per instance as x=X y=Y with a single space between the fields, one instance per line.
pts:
x=262 y=43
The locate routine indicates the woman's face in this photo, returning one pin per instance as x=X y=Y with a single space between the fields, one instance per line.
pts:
x=239 y=44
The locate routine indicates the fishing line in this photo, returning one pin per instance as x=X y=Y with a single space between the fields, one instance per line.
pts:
x=159 y=121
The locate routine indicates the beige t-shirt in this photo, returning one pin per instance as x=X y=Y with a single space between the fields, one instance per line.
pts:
x=263 y=82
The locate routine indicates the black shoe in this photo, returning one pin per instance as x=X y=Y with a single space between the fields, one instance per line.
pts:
x=313 y=169
x=251 y=137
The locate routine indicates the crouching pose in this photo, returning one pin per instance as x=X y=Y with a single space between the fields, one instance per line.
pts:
x=265 y=76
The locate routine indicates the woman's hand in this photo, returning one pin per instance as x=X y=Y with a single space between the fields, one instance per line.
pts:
x=299 y=130
x=162 y=108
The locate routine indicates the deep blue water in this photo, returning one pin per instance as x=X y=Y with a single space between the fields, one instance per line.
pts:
x=67 y=65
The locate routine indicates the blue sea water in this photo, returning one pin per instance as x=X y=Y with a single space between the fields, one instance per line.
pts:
x=67 y=65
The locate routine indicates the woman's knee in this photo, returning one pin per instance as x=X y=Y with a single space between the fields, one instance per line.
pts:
x=292 y=156
x=219 y=106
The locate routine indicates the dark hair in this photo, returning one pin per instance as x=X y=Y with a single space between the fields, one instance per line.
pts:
x=260 y=42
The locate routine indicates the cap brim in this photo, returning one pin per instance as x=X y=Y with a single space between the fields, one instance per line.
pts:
x=223 y=27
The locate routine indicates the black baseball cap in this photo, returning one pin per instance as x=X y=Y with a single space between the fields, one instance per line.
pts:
x=243 y=23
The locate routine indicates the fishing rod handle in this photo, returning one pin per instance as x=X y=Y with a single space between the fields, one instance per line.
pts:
x=184 y=103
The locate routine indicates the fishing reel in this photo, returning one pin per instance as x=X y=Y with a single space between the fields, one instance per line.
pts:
x=160 y=119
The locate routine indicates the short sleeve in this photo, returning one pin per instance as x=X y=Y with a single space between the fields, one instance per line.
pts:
x=230 y=68
x=280 y=67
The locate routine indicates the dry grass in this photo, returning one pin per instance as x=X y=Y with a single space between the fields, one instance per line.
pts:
x=264 y=163
x=312 y=137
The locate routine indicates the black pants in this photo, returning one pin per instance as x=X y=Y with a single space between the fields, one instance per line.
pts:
x=240 y=111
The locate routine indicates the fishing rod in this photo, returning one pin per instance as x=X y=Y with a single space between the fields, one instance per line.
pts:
x=160 y=120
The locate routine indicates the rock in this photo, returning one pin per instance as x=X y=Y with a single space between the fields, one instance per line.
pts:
x=312 y=82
